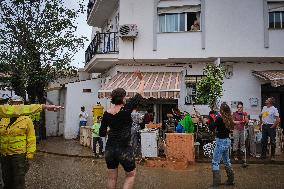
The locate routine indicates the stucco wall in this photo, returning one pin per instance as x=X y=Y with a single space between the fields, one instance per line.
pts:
x=75 y=98
x=233 y=28
x=51 y=118
x=241 y=87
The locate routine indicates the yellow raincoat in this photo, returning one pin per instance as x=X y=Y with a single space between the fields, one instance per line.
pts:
x=18 y=138
x=19 y=110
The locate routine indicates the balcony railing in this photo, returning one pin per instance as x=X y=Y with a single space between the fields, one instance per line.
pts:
x=103 y=43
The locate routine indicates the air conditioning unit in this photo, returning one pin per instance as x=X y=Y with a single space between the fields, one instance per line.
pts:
x=128 y=31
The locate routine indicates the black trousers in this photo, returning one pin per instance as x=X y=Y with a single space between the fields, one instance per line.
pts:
x=268 y=132
x=14 y=169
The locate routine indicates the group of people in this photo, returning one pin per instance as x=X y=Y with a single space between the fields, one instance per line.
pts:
x=119 y=150
x=18 y=143
x=269 y=120
x=138 y=122
x=222 y=123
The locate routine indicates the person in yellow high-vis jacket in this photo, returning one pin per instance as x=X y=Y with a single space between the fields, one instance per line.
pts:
x=17 y=140
x=17 y=145
x=8 y=111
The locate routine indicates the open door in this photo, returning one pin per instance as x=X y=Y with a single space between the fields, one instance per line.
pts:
x=278 y=94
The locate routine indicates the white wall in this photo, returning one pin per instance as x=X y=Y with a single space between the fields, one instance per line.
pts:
x=111 y=22
x=241 y=87
x=61 y=113
x=75 y=98
x=233 y=28
x=6 y=93
x=51 y=118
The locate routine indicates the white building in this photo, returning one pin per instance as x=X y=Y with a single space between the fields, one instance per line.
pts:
x=246 y=37
x=5 y=91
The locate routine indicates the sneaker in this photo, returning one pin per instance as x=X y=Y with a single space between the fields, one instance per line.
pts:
x=272 y=158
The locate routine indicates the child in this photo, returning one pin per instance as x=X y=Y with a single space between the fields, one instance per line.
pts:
x=96 y=137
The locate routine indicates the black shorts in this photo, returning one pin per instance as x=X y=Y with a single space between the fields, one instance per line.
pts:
x=115 y=155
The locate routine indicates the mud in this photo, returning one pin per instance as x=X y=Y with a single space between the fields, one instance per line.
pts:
x=57 y=172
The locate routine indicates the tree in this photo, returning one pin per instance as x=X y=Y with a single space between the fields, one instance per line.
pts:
x=209 y=88
x=37 y=43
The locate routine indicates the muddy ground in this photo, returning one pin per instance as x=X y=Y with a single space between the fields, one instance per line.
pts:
x=58 y=172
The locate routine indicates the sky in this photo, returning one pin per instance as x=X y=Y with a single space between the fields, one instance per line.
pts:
x=83 y=30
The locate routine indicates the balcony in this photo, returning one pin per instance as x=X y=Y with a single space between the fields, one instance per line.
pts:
x=98 y=11
x=104 y=46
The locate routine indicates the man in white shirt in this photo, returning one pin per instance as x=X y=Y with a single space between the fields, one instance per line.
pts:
x=83 y=116
x=269 y=122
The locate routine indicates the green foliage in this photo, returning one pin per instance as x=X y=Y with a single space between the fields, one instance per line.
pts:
x=209 y=88
x=37 y=43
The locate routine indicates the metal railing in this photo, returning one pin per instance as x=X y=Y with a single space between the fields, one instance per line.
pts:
x=103 y=43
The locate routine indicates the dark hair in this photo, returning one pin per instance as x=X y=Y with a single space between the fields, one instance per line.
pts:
x=117 y=96
x=227 y=115
x=240 y=103
x=150 y=110
x=83 y=108
x=271 y=99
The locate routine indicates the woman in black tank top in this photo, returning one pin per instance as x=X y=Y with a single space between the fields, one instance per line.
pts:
x=118 y=149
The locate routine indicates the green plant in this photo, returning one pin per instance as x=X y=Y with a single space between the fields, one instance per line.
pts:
x=209 y=88
x=37 y=43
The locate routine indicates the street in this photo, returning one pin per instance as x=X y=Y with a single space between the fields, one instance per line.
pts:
x=61 y=172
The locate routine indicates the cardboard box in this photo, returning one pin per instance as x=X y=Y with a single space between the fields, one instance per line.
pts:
x=180 y=146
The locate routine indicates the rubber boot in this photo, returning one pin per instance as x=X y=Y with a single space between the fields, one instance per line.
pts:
x=242 y=156
x=230 y=175
x=216 y=180
x=263 y=152
x=272 y=153
x=235 y=155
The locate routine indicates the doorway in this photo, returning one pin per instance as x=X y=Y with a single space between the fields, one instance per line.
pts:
x=278 y=94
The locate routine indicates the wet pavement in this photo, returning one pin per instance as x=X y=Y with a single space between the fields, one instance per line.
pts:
x=64 y=164
x=60 y=146
x=60 y=172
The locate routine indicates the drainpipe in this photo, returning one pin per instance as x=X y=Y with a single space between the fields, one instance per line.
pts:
x=155 y=23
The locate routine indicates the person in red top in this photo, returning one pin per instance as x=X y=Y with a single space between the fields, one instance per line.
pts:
x=240 y=119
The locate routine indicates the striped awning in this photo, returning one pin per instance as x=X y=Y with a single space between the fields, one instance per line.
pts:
x=158 y=84
x=276 y=77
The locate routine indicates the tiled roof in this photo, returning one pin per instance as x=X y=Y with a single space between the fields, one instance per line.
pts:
x=276 y=77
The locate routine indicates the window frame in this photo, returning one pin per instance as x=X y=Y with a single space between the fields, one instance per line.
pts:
x=185 y=22
x=281 y=20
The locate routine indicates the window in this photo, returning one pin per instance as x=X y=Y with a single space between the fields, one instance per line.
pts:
x=181 y=19
x=172 y=22
x=87 y=90
x=276 y=20
x=276 y=15
x=190 y=82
